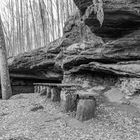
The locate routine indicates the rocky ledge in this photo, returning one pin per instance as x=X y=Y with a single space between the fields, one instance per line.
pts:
x=88 y=52
x=109 y=57
x=114 y=47
x=122 y=17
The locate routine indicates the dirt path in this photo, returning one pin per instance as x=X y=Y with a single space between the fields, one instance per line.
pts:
x=29 y=117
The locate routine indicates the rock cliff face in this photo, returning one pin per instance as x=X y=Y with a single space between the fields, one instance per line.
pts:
x=110 y=58
x=38 y=64
x=96 y=57
x=119 y=53
x=121 y=17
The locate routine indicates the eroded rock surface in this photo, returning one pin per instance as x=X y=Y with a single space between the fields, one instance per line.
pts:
x=97 y=57
x=39 y=63
x=121 y=17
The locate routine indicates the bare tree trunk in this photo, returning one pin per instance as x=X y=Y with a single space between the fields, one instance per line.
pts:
x=67 y=9
x=4 y=73
x=28 y=40
x=13 y=29
x=62 y=13
x=52 y=19
x=58 y=18
x=34 y=26
x=22 y=25
x=42 y=8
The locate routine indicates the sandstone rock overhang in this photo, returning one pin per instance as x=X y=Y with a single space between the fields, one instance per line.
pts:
x=114 y=47
x=38 y=64
x=119 y=54
x=120 y=17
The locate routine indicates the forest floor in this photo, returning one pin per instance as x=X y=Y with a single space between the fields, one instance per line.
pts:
x=31 y=117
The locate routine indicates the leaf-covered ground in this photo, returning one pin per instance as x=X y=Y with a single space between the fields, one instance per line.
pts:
x=31 y=117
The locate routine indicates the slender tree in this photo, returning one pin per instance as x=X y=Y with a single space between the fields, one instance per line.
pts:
x=58 y=18
x=4 y=72
x=43 y=15
x=34 y=26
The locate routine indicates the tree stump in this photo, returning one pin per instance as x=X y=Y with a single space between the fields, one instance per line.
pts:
x=55 y=94
x=69 y=102
x=85 y=109
x=48 y=95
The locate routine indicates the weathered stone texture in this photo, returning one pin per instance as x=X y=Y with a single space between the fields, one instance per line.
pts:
x=95 y=56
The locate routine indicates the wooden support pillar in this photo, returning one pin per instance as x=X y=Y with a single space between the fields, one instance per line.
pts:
x=55 y=94
x=48 y=95
x=35 y=89
x=68 y=101
x=39 y=89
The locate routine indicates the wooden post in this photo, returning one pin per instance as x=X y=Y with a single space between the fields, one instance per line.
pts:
x=34 y=89
x=68 y=101
x=55 y=94
x=48 y=95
